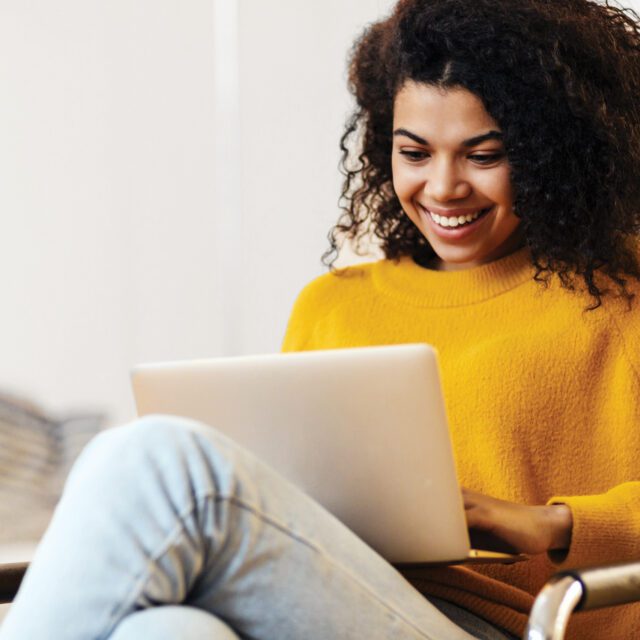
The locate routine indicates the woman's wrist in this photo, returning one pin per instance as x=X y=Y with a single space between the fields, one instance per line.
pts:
x=560 y=522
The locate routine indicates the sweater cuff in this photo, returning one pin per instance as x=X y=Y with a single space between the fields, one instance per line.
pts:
x=606 y=528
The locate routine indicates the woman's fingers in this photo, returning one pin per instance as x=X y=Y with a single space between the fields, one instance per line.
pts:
x=497 y=524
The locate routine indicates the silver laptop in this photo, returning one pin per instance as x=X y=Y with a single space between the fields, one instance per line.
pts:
x=373 y=416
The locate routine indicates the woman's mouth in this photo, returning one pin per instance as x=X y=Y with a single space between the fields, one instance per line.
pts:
x=454 y=227
x=452 y=222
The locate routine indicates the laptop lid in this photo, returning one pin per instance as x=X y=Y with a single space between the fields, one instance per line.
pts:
x=363 y=431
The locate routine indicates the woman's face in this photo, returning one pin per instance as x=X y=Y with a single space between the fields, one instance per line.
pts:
x=451 y=175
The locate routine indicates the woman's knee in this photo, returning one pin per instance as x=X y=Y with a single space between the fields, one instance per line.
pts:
x=151 y=442
x=151 y=432
x=172 y=623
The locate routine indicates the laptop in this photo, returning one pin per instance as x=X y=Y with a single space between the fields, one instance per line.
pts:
x=363 y=431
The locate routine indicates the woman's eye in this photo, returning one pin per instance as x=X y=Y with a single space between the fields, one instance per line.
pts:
x=413 y=156
x=486 y=158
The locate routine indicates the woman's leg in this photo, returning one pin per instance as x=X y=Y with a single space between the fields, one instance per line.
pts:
x=172 y=623
x=167 y=511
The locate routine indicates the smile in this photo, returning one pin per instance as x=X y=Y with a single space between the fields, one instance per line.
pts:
x=451 y=222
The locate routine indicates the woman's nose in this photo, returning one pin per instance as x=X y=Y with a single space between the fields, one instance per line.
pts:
x=444 y=182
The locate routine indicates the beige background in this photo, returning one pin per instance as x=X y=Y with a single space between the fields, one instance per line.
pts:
x=167 y=178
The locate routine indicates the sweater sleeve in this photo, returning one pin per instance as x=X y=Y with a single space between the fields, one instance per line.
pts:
x=299 y=332
x=606 y=527
x=310 y=305
x=315 y=304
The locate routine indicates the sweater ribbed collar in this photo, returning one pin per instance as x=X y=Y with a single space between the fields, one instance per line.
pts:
x=412 y=284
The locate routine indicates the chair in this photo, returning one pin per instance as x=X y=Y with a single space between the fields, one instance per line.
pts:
x=566 y=592
x=580 y=590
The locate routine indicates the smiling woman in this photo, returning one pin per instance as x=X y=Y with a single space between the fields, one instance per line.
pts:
x=495 y=146
x=555 y=80
x=493 y=154
x=452 y=177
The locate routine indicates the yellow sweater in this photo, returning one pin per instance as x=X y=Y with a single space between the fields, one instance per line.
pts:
x=543 y=401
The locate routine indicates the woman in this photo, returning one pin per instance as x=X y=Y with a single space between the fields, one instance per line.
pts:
x=494 y=155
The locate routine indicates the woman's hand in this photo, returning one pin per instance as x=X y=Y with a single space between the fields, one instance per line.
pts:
x=507 y=526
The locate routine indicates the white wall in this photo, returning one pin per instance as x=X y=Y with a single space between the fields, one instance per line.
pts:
x=137 y=225
x=293 y=106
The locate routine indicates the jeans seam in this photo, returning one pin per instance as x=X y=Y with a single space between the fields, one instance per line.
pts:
x=318 y=549
x=142 y=579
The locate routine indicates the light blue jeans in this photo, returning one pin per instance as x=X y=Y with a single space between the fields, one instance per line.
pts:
x=167 y=530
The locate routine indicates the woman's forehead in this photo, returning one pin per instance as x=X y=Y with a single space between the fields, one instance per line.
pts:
x=435 y=112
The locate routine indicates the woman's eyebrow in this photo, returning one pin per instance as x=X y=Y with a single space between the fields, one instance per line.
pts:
x=471 y=142
x=412 y=136
x=490 y=135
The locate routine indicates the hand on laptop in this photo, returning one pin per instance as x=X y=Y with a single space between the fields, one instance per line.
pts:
x=505 y=526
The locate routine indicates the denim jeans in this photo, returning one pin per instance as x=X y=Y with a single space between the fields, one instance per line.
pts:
x=169 y=530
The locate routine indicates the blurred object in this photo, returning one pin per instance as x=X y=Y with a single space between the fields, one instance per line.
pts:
x=11 y=576
x=581 y=590
x=36 y=453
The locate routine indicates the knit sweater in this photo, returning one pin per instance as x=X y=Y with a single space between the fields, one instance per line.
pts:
x=543 y=404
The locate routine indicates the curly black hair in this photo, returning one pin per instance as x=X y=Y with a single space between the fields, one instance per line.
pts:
x=560 y=77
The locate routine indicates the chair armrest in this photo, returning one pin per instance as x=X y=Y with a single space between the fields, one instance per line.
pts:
x=11 y=575
x=580 y=590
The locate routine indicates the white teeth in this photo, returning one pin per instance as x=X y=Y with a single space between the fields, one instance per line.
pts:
x=453 y=221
